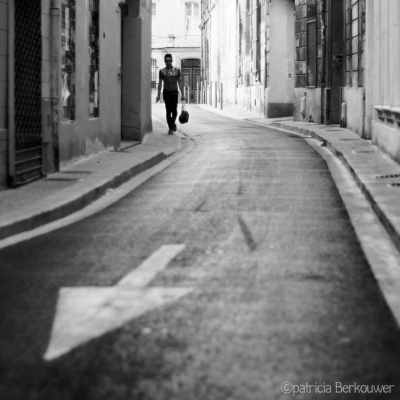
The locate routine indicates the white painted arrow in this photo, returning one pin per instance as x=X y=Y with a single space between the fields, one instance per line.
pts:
x=86 y=313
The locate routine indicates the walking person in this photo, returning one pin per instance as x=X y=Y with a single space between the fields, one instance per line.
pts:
x=172 y=78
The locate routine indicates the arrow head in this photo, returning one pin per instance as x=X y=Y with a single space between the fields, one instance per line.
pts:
x=86 y=313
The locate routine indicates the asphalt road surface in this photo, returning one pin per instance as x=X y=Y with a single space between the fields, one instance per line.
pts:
x=277 y=288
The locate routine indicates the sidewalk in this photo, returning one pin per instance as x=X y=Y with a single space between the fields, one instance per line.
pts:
x=62 y=193
x=377 y=175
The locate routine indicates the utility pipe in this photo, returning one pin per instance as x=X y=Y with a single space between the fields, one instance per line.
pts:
x=11 y=92
x=323 y=51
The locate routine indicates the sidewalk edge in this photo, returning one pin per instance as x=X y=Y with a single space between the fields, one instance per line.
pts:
x=380 y=213
x=61 y=210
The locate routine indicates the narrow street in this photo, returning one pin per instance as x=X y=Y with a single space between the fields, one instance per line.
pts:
x=277 y=288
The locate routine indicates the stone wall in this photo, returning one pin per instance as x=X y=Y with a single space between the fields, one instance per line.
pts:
x=89 y=135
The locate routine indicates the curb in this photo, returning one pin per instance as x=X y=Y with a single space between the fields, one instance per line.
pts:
x=385 y=220
x=43 y=215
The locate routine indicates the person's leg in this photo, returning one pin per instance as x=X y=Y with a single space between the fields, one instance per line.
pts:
x=174 y=107
x=168 y=108
x=168 y=99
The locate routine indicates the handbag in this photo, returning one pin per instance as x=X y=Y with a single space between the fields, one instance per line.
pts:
x=184 y=117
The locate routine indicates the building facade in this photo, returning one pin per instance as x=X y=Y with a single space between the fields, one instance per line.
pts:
x=61 y=80
x=382 y=79
x=175 y=31
x=330 y=66
x=321 y=61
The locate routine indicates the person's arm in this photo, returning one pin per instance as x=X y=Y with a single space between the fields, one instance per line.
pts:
x=180 y=83
x=159 y=87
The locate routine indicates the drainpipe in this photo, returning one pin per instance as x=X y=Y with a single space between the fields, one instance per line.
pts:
x=55 y=80
x=323 y=51
x=11 y=93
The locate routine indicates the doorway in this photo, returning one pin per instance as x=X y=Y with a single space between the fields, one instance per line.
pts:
x=191 y=76
x=25 y=163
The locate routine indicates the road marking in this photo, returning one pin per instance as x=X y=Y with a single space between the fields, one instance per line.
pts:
x=252 y=245
x=86 y=313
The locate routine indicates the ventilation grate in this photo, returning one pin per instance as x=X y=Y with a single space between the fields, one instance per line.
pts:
x=388 y=176
x=62 y=179
x=74 y=172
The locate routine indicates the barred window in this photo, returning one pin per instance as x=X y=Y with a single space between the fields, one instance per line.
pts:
x=355 y=31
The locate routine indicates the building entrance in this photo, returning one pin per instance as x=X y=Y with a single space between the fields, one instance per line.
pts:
x=26 y=148
x=191 y=76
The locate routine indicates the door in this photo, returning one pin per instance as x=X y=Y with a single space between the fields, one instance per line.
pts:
x=191 y=76
x=25 y=162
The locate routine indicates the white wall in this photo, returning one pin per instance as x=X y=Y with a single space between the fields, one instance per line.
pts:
x=171 y=20
x=383 y=78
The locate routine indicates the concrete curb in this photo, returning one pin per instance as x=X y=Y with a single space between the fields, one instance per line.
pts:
x=380 y=202
x=74 y=198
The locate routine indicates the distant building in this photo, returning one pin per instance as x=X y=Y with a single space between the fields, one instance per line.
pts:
x=248 y=47
x=321 y=61
x=175 y=30
x=64 y=93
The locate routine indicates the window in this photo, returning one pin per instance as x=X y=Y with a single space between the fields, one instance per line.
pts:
x=154 y=73
x=192 y=12
x=154 y=23
x=256 y=25
x=68 y=59
x=312 y=42
x=355 y=32
x=94 y=57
